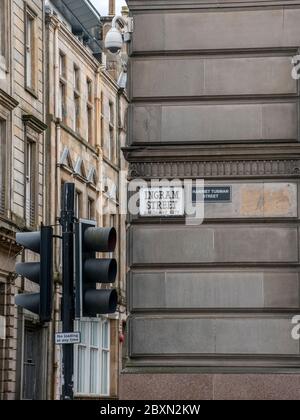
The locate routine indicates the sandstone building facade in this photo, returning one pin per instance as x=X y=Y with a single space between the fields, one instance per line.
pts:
x=62 y=119
x=86 y=127
x=22 y=144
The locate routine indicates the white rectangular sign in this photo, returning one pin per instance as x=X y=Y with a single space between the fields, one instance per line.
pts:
x=2 y=328
x=162 y=201
x=67 y=338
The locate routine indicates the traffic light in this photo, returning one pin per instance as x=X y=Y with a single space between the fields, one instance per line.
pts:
x=38 y=272
x=89 y=300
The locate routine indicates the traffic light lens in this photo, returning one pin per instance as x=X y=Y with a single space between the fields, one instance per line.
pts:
x=29 y=270
x=29 y=301
x=100 y=239
x=29 y=240
x=100 y=270
x=100 y=302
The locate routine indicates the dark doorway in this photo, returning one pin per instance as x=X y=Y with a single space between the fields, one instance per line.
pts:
x=32 y=371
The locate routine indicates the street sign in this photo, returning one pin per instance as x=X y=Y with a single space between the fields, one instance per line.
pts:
x=161 y=201
x=67 y=338
x=212 y=194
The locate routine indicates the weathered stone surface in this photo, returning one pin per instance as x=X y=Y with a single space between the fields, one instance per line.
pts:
x=175 y=77
x=162 y=245
x=256 y=387
x=217 y=30
x=227 y=335
x=220 y=295
x=226 y=122
x=166 y=387
x=257 y=199
x=176 y=386
x=213 y=289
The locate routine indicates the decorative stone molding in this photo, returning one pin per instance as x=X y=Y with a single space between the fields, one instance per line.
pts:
x=7 y=101
x=34 y=123
x=8 y=241
x=216 y=169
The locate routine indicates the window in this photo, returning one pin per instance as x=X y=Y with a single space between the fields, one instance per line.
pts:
x=78 y=204
x=30 y=36
x=111 y=113
x=76 y=108
x=76 y=78
x=105 y=359
x=2 y=165
x=102 y=119
x=76 y=115
x=89 y=110
x=62 y=65
x=2 y=31
x=91 y=209
x=111 y=145
x=62 y=87
x=30 y=176
x=92 y=358
x=62 y=101
x=89 y=88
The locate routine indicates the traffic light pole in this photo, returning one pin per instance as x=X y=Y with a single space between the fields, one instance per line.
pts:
x=67 y=223
x=90 y=270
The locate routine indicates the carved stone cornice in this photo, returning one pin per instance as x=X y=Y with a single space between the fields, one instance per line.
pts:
x=7 y=101
x=216 y=169
x=8 y=239
x=34 y=123
x=202 y=152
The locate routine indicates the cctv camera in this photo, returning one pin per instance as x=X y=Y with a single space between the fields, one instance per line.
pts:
x=113 y=40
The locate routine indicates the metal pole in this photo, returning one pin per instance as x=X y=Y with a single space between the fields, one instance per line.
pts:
x=67 y=223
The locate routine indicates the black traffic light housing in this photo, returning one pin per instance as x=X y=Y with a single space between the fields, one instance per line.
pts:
x=90 y=270
x=39 y=272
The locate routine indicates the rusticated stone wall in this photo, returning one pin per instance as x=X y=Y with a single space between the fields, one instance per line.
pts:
x=213 y=98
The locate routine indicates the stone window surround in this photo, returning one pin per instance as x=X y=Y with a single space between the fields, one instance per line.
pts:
x=7 y=104
x=62 y=86
x=33 y=128
x=5 y=59
x=90 y=111
x=29 y=13
x=77 y=98
x=112 y=135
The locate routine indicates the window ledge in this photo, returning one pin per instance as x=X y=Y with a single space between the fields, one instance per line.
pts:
x=32 y=92
x=76 y=93
x=63 y=80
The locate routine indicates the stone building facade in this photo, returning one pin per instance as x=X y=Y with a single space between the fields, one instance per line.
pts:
x=86 y=127
x=62 y=118
x=213 y=97
x=22 y=145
